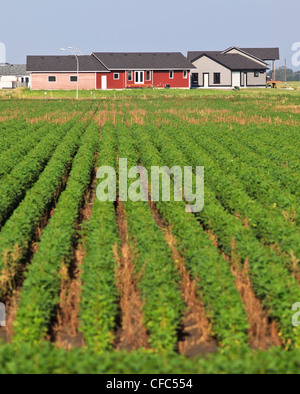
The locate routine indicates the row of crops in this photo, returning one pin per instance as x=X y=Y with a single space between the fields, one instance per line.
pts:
x=55 y=234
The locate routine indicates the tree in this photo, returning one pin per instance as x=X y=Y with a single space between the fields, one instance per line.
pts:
x=290 y=74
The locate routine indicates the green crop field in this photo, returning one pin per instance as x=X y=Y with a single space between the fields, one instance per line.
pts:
x=145 y=287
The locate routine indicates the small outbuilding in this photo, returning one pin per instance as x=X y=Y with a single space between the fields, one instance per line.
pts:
x=13 y=76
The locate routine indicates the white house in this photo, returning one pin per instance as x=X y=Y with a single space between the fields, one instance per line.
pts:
x=13 y=76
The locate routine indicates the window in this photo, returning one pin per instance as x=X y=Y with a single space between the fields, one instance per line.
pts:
x=27 y=80
x=171 y=74
x=256 y=74
x=73 y=79
x=185 y=74
x=116 y=76
x=51 y=79
x=148 y=75
x=130 y=78
x=217 y=78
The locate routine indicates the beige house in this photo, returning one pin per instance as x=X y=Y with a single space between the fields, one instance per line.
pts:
x=231 y=68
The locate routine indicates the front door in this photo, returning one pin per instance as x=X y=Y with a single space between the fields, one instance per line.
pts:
x=104 y=82
x=236 y=79
x=195 y=79
x=206 y=80
x=139 y=77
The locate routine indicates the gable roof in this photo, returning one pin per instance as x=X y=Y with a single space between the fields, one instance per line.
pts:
x=194 y=55
x=263 y=53
x=144 y=61
x=234 y=62
x=241 y=51
x=63 y=64
x=16 y=70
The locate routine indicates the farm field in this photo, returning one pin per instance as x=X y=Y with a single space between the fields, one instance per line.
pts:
x=145 y=287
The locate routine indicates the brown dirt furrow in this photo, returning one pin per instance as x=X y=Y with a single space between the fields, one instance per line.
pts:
x=65 y=331
x=132 y=333
x=263 y=331
x=196 y=338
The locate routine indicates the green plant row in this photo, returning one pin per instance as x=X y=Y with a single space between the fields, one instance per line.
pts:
x=99 y=305
x=18 y=231
x=215 y=282
x=259 y=184
x=10 y=158
x=272 y=282
x=279 y=143
x=13 y=132
x=251 y=150
x=46 y=359
x=268 y=226
x=40 y=290
x=158 y=276
x=13 y=187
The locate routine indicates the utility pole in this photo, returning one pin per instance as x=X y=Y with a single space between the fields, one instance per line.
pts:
x=285 y=72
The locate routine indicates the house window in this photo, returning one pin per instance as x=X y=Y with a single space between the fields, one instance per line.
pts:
x=51 y=79
x=185 y=74
x=217 y=78
x=256 y=74
x=148 y=75
x=73 y=79
x=27 y=80
x=116 y=76
x=171 y=74
x=130 y=76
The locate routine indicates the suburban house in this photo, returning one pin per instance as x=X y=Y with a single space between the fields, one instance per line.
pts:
x=234 y=67
x=110 y=71
x=13 y=76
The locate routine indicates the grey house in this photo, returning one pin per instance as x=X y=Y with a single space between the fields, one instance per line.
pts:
x=234 y=67
x=13 y=76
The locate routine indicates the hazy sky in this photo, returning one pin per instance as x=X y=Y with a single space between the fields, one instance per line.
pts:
x=35 y=27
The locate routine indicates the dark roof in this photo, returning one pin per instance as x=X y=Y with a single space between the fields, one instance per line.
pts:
x=63 y=64
x=263 y=53
x=194 y=55
x=234 y=62
x=15 y=70
x=144 y=61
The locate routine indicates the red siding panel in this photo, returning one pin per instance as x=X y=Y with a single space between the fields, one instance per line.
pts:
x=159 y=79
x=111 y=82
x=162 y=78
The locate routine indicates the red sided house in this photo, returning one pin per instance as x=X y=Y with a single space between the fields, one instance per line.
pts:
x=107 y=71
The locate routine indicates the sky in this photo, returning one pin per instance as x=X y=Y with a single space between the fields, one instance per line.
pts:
x=35 y=27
